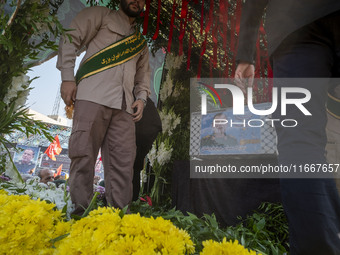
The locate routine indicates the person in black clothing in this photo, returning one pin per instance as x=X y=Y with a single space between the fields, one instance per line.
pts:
x=147 y=130
x=303 y=42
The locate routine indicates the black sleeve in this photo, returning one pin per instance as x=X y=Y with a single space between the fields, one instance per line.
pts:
x=252 y=12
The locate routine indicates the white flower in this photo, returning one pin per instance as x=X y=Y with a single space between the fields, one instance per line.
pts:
x=11 y=172
x=169 y=120
x=173 y=62
x=22 y=98
x=167 y=88
x=143 y=176
x=176 y=92
x=43 y=186
x=51 y=185
x=160 y=152
x=34 y=180
x=38 y=190
x=19 y=84
x=163 y=154
x=152 y=154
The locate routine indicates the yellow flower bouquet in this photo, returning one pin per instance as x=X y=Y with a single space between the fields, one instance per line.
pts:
x=36 y=227
x=104 y=231
x=27 y=226
x=225 y=248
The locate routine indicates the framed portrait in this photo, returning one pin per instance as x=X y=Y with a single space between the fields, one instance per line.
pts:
x=221 y=132
x=25 y=158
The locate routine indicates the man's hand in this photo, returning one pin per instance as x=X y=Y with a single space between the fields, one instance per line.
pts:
x=68 y=91
x=139 y=105
x=244 y=76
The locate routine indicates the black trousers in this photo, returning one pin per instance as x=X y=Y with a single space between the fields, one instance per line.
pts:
x=312 y=206
x=147 y=130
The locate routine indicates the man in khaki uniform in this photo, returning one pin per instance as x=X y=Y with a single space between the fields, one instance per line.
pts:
x=112 y=87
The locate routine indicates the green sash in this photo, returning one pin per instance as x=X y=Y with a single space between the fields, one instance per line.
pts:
x=333 y=106
x=111 y=56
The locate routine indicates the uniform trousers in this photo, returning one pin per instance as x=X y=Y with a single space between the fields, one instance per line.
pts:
x=96 y=126
x=312 y=206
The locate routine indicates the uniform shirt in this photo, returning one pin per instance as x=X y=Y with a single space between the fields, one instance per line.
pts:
x=95 y=28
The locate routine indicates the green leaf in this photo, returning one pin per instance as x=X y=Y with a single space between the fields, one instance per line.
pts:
x=91 y=205
x=260 y=224
x=242 y=241
x=57 y=239
x=123 y=211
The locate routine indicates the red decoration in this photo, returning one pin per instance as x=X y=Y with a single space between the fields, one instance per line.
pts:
x=222 y=25
x=58 y=171
x=215 y=41
x=172 y=25
x=184 y=8
x=238 y=18
x=146 y=17
x=203 y=47
x=224 y=20
x=158 y=20
x=54 y=149
x=210 y=17
x=148 y=200
x=190 y=42
x=181 y=36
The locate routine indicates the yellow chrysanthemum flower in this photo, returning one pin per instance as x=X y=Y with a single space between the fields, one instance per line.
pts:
x=27 y=226
x=104 y=232
x=3 y=192
x=225 y=248
x=129 y=226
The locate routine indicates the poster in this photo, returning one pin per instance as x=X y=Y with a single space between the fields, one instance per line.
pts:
x=223 y=133
x=25 y=158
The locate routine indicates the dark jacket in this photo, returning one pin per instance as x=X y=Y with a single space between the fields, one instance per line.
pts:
x=282 y=18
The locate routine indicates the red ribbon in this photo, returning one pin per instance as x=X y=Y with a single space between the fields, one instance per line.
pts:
x=203 y=47
x=210 y=17
x=172 y=25
x=232 y=38
x=146 y=17
x=181 y=36
x=222 y=30
x=215 y=41
x=238 y=18
x=190 y=41
x=224 y=21
x=270 y=83
x=184 y=8
x=158 y=20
